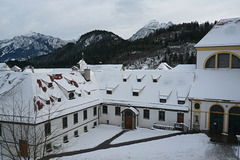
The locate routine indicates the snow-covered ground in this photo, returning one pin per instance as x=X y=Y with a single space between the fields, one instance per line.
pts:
x=182 y=147
x=141 y=133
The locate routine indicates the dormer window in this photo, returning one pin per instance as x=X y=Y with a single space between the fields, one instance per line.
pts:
x=181 y=102
x=136 y=90
x=71 y=95
x=182 y=95
x=50 y=85
x=135 y=94
x=140 y=78
x=59 y=99
x=111 y=88
x=109 y=92
x=126 y=77
x=163 y=100
x=48 y=102
x=164 y=94
x=155 y=78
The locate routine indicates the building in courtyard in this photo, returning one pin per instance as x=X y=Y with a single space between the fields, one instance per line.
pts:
x=42 y=109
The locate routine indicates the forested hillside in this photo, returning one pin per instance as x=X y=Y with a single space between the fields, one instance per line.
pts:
x=173 y=45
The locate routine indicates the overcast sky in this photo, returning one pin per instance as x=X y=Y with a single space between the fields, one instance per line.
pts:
x=69 y=19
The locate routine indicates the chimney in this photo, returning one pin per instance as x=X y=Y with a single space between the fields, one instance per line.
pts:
x=86 y=74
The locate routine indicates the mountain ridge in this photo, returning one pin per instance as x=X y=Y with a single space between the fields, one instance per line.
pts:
x=28 y=46
x=149 y=28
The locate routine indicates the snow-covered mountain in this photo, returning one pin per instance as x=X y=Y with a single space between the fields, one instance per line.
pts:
x=151 y=27
x=28 y=46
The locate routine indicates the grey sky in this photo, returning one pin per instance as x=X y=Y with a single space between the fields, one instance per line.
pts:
x=69 y=19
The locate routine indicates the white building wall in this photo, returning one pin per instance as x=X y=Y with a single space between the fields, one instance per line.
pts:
x=58 y=132
x=205 y=114
x=203 y=55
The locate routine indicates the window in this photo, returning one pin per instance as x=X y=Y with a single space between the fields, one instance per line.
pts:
x=235 y=62
x=47 y=129
x=47 y=101
x=65 y=139
x=105 y=109
x=75 y=118
x=180 y=117
x=181 y=102
x=71 y=95
x=59 y=99
x=124 y=80
x=161 y=116
x=223 y=60
x=135 y=94
x=155 y=80
x=85 y=129
x=196 y=105
x=146 y=114
x=64 y=122
x=117 y=111
x=85 y=115
x=50 y=85
x=49 y=147
x=210 y=62
x=163 y=100
x=76 y=133
x=109 y=92
x=94 y=111
x=139 y=80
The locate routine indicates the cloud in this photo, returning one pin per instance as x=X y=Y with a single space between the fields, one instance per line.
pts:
x=70 y=19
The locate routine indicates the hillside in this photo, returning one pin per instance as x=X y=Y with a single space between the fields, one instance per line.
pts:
x=174 y=45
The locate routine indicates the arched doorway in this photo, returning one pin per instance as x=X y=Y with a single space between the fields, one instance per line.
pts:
x=216 y=118
x=129 y=118
x=234 y=120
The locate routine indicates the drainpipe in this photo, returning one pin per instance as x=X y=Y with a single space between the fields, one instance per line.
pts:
x=191 y=116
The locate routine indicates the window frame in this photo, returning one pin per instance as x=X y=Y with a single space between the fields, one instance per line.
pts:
x=146 y=114
x=105 y=109
x=85 y=115
x=47 y=129
x=161 y=115
x=64 y=122
x=117 y=111
x=231 y=57
x=94 y=111
x=75 y=118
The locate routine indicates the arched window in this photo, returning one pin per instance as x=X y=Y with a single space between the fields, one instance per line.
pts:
x=223 y=60
x=210 y=62
x=235 y=62
x=216 y=108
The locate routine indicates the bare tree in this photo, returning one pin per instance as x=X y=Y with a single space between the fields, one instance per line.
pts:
x=22 y=134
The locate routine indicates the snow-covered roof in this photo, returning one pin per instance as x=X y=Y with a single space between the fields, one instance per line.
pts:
x=184 y=68
x=222 y=85
x=4 y=67
x=148 y=91
x=225 y=33
x=16 y=69
x=164 y=66
x=47 y=93
x=104 y=67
